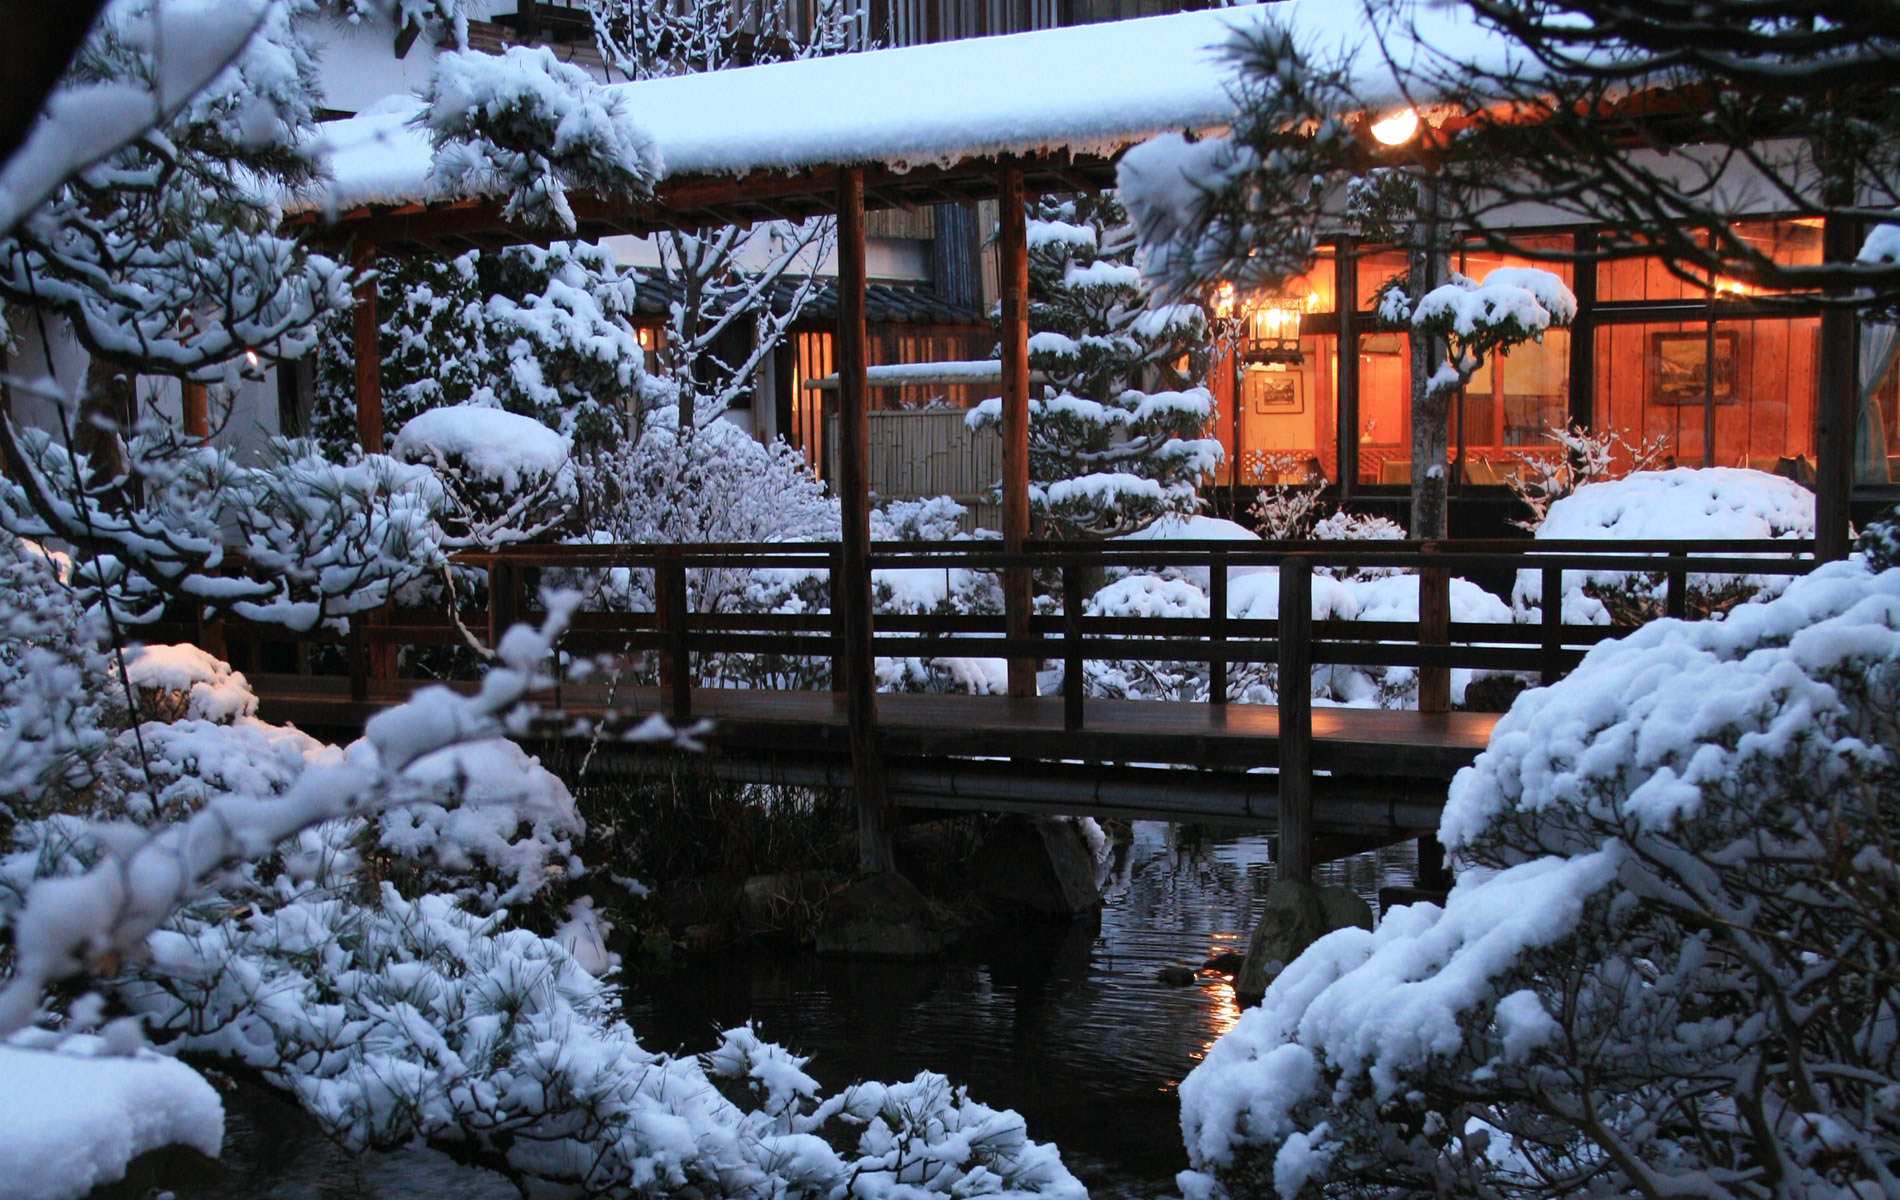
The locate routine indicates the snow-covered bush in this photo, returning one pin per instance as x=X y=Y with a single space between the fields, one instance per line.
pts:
x=1880 y=541
x=319 y=539
x=1588 y=456
x=541 y=331
x=1710 y=504
x=1666 y=963
x=346 y=923
x=509 y=474
x=1115 y=441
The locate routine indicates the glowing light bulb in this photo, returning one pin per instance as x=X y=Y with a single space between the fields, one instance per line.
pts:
x=250 y=356
x=1396 y=129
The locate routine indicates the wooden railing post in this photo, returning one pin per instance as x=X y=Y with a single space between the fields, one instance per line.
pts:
x=358 y=659
x=1073 y=659
x=1552 y=628
x=839 y=641
x=1217 y=628
x=1434 y=629
x=504 y=599
x=1676 y=598
x=670 y=614
x=1296 y=718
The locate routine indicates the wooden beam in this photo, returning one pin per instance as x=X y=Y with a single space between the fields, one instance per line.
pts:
x=1013 y=271
x=852 y=593
x=197 y=409
x=369 y=356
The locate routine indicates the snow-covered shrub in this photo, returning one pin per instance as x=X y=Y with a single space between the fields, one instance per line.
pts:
x=936 y=519
x=58 y=711
x=508 y=474
x=1285 y=510
x=1588 y=457
x=319 y=539
x=1880 y=541
x=1666 y=965
x=1710 y=504
x=541 y=331
x=1116 y=440
x=175 y=683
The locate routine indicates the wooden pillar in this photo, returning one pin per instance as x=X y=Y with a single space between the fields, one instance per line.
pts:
x=197 y=409
x=1296 y=719
x=1837 y=405
x=851 y=593
x=365 y=345
x=1346 y=426
x=1013 y=272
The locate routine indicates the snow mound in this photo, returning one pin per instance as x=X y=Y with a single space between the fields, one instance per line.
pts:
x=72 y=1117
x=205 y=688
x=490 y=444
x=1714 y=504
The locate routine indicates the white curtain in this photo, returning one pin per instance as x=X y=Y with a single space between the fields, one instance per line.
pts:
x=1879 y=342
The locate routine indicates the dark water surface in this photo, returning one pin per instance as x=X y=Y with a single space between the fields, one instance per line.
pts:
x=1067 y=1024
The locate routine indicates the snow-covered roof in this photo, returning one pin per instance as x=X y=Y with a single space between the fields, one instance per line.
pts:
x=1085 y=90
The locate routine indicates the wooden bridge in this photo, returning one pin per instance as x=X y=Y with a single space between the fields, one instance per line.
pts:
x=1330 y=780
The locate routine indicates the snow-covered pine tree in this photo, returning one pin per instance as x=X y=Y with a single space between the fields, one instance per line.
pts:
x=546 y=333
x=1114 y=436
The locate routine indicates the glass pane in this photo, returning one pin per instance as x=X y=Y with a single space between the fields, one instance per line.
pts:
x=1385 y=408
x=1372 y=270
x=1513 y=404
x=1656 y=380
x=1287 y=417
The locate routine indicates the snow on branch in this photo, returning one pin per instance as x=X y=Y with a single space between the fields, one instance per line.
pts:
x=525 y=125
x=67 y=923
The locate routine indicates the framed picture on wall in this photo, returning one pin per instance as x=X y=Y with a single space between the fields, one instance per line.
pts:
x=1681 y=370
x=1275 y=392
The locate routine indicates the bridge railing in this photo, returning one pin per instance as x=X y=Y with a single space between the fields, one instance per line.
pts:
x=676 y=630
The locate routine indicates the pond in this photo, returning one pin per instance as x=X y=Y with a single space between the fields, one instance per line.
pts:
x=1066 y=1023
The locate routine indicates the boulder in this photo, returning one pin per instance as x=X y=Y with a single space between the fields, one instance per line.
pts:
x=1292 y=920
x=880 y=916
x=1344 y=908
x=1296 y=915
x=1041 y=866
x=1176 y=976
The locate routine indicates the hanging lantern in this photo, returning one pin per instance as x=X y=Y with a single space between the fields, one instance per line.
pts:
x=1273 y=329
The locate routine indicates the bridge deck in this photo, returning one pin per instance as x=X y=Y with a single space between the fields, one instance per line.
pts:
x=807 y=725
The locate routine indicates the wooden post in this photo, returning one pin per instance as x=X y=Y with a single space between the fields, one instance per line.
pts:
x=852 y=593
x=1346 y=431
x=1073 y=658
x=1433 y=873
x=1837 y=404
x=1296 y=718
x=504 y=599
x=1552 y=627
x=1013 y=269
x=196 y=409
x=365 y=345
x=1217 y=628
x=1434 y=629
x=670 y=612
x=1676 y=598
x=358 y=659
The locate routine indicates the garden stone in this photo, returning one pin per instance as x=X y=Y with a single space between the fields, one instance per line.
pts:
x=1293 y=919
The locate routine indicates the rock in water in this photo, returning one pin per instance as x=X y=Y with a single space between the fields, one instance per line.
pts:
x=1344 y=908
x=1176 y=976
x=1294 y=918
x=1041 y=866
x=880 y=916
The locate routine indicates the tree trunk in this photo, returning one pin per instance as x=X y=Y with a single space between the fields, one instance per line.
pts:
x=105 y=414
x=1431 y=422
